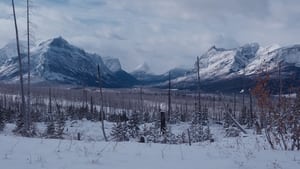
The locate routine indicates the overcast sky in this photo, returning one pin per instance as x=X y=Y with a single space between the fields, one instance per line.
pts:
x=162 y=33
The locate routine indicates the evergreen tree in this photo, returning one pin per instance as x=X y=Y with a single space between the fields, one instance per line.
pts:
x=50 y=132
x=60 y=123
x=2 y=120
x=20 y=129
x=146 y=117
x=175 y=117
x=152 y=134
x=133 y=125
x=197 y=130
x=119 y=132
x=228 y=121
x=169 y=137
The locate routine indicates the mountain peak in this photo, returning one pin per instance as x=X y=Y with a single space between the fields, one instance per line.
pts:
x=142 y=68
x=253 y=47
x=58 y=42
x=214 y=48
x=112 y=63
x=248 y=50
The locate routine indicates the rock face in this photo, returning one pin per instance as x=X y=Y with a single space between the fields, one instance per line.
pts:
x=56 y=61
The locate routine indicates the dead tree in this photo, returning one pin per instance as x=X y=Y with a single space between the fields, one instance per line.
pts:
x=198 y=86
x=280 y=86
x=28 y=62
x=163 y=126
x=251 y=119
x=141 y=107
x=92 y=107
x=234 y=105
x=169 y=98
x=23 y=106
x=101 y=110
x=50 y=102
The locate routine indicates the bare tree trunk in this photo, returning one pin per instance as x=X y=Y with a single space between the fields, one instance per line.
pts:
x=163 y=126
x=214 y=108
x=23 y=107
x=189 y=137
x=50 y=102
x=141 y=100
x=169 y=98
x=92 y=106
x=101 y=111
x=280 y=86
x=234 y=105
x=198 y=88
x=28 y=57
x=251 y=111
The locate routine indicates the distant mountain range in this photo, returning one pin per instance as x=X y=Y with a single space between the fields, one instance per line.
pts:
x=236 y=69
x=56 y=61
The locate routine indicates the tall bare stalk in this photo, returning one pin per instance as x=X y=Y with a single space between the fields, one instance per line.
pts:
x=28 y=117
x=101 y=111
x=23 y=106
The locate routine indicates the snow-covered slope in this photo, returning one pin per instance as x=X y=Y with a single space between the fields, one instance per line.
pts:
x=113 y=64
x=57 y=61
x=219 y=67
x=144 y=75
x=220 y=63
x=143 y=68
x=10 y=50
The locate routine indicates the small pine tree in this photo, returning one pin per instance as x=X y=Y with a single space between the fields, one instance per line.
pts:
x=60 y=123
x=227 y=121
x=170 y=137
x=20 y=126
x=197 y=130
x=2 y=120
x=50 y=131
x=146 y=117
x=175 y=117
x=152 y=134
x=119 y=132
x=133 y=125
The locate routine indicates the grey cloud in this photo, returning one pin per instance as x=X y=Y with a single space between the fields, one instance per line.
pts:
x=172 y=32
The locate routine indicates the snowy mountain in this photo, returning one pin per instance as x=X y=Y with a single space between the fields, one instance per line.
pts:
x=113 y=64
x=57 y=61
x=9 y=51
x=143 y=68
x=146 y=77
x=231 y=69
x=142 y=72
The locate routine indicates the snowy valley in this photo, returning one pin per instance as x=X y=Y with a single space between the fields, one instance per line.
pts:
x=70 y=97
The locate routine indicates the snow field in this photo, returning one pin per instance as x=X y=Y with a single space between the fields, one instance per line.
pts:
x=245 y=152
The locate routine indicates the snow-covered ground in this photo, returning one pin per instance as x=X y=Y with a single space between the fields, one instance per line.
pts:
x=251 y=152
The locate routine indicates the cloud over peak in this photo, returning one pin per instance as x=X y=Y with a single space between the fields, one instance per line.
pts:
x=172 y=32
